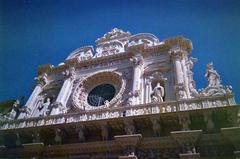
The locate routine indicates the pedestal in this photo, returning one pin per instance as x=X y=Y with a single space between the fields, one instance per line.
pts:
x=33 y=149
x=128 y=144
x=127 y=157
x=233 y=135
x=237 y=154
x=187 y=140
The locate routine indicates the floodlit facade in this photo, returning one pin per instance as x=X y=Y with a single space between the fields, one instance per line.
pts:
x=132 y=97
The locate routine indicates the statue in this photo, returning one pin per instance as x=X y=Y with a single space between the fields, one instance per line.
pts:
x=158 y=93
x=80 y=132
x=192 y=89
x=106 y=103
x=104 y=132
x=129 y=127
x=156 y=126
x=16 y=109
x=212 y=76
x=46 y=104
x=214 y=88
x=58 y=136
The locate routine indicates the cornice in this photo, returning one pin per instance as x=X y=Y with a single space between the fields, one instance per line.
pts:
x=144 y=49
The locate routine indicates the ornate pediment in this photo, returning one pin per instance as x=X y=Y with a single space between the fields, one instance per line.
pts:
x=143 y=38
x=109 y=48
x=83 y=53
x=112 y=35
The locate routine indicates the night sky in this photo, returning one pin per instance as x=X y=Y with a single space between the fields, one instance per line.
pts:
x=35 y=32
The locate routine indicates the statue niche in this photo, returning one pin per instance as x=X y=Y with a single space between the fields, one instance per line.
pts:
x=158 y=92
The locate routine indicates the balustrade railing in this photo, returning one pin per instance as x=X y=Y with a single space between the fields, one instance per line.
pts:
x=118 y=112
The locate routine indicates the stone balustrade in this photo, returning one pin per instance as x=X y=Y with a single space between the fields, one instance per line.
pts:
x=118 y=112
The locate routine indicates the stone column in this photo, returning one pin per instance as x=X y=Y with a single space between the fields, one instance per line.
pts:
x=41 y=81
x=185 y=74
x=59 y=105
x=137 y=61
x=147 y=93
x=148 y=90
x=177 y=55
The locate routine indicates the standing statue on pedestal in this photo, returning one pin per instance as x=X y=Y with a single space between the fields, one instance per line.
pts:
x=158 y=93
x=212 y=76
x=214 y=88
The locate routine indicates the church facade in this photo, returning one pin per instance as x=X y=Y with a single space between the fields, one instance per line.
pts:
x=132 y=97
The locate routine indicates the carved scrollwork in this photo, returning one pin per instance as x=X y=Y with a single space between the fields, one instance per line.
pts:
x=83 y=53
x=143 y=38
x=109 y=48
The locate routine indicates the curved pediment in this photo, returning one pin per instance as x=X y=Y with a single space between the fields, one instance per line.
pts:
x=83 y=53
x=109 y=48
x=143 y=38
x=113 y=35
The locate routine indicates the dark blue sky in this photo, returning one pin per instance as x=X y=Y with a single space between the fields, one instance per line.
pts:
x=35 y=32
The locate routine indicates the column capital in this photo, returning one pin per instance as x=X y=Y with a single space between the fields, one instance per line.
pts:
x=70 y=73
x=177 y=53
x=41 y=79
x=137 y=60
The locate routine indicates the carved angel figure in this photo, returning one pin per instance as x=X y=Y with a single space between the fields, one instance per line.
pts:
x=158 y=93
x=212 y=76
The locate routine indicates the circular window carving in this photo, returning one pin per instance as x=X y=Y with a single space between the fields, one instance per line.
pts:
x=100 y=94
x=100 y=90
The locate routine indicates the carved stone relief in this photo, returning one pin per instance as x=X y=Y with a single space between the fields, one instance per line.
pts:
x=80 y=94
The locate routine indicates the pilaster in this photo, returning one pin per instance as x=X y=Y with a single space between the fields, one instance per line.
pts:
x=137 y=63
x=59 y=106
x=41 y=82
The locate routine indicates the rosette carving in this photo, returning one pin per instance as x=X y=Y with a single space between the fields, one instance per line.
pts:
x=86 y=85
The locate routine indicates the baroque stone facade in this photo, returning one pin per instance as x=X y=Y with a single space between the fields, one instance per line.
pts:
x=134 y=96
